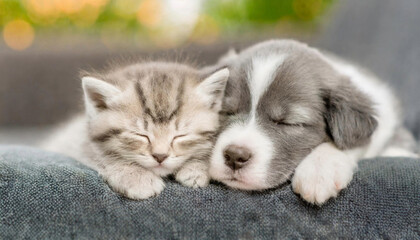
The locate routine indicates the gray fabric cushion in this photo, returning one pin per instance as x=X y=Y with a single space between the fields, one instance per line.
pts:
x=48 y=196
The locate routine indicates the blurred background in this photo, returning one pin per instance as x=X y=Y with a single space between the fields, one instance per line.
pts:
x=45 y=43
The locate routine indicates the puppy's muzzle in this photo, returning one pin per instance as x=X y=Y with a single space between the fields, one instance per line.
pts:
x=236 y=156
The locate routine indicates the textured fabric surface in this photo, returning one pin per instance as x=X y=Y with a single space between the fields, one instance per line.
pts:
x=49 y=196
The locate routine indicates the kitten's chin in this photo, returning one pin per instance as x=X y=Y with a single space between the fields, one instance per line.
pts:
x=161 y=171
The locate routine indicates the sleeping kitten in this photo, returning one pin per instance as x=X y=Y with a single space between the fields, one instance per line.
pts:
x=144 y=122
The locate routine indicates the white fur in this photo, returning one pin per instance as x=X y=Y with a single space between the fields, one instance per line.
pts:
x=67 y=137
x=248 y=134
x=323 y=173
x=193 y=174
x=261 y=75
x=133 y=182
x=253 y=176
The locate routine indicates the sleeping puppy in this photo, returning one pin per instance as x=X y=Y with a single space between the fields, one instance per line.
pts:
x=290 y=108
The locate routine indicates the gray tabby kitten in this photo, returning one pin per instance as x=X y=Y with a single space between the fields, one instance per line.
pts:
x=143 y=122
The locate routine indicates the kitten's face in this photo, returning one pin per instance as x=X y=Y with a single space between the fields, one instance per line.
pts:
x=158 y=119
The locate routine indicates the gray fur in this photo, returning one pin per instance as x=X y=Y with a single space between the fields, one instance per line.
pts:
x=349 y=116
x=338 y=111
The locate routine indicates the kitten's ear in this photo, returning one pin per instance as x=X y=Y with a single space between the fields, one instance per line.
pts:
x=97 y=94
x=349 y=115
x=212 y=88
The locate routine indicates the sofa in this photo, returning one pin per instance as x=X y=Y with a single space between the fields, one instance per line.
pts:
x=45 y=195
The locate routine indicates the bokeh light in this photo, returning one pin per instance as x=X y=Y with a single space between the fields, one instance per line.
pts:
x=206 y=31
x=162 y=23
x=126 y=8
x=18 y=34
x=150 y=13
x=307 y=9
x=43 y=12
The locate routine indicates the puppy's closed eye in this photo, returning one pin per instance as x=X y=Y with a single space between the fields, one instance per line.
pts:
x=285 y=122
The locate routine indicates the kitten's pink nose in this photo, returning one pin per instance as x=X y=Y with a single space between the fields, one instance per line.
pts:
x=159 y=157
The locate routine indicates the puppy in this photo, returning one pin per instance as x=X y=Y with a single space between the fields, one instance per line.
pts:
x=290 y=108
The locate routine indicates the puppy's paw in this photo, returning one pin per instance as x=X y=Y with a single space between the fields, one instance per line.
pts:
x=323 y=174
x=140 y=184
x=193 y=175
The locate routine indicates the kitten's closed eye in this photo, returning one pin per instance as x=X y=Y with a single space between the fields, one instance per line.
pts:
x=143 y=137
x=133 y=141
x=179 y=138
x=187 y=141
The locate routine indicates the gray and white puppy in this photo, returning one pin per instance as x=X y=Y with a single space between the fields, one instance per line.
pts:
x=292 y=108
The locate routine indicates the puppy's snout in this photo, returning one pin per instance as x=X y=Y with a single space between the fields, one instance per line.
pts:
x=236 y=156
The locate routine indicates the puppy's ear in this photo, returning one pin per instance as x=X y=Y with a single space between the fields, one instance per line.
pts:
x=349 y=115
x=224 y=62
x=228 y=57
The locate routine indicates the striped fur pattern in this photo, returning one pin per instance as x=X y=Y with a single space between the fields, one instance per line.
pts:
x=146 y=121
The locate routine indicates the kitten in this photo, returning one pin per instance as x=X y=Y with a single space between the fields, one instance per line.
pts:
x=146 y=121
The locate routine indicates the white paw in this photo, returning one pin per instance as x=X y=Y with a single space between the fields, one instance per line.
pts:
x=323 y=173
x=194 y=175
x=140 y=184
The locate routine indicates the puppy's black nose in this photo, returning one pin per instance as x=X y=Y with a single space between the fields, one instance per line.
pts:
x=159 y=157
x=236 y=156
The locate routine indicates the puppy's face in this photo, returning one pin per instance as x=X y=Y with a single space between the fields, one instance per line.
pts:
x=280 y=105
